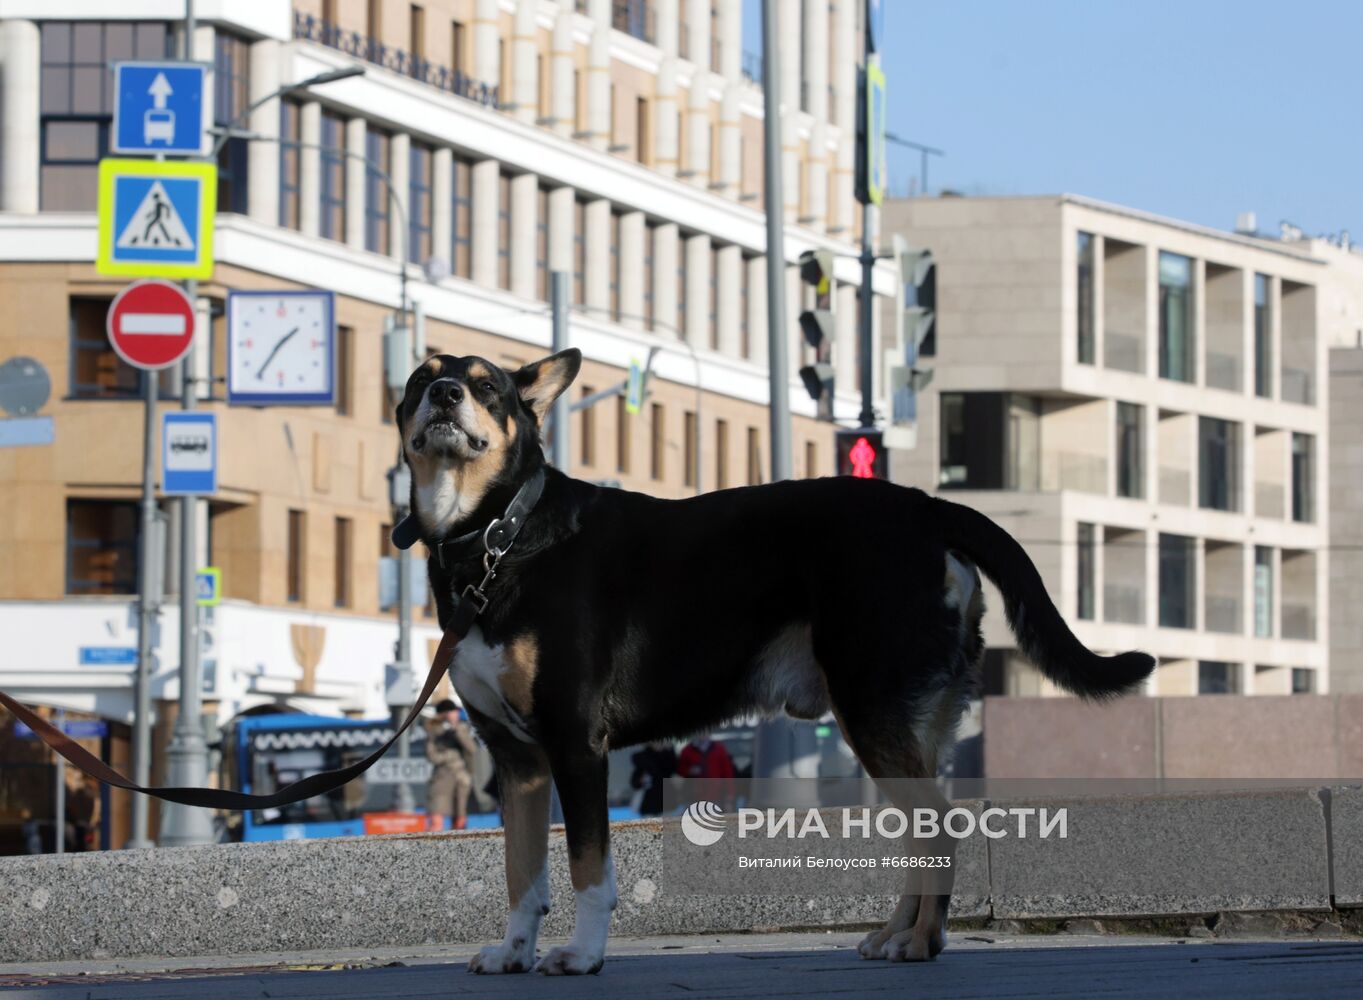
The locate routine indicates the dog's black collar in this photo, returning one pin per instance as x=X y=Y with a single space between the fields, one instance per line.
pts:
x=496 y=537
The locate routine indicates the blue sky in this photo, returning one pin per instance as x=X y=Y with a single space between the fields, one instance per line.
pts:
x=1197 y=110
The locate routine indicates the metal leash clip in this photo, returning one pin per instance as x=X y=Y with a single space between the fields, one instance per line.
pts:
x=491 y=558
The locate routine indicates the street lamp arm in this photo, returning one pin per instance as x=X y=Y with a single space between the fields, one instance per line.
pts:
x=330 y=76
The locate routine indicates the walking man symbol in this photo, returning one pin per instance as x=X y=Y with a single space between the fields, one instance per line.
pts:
x=156 y=224
x=158 y=214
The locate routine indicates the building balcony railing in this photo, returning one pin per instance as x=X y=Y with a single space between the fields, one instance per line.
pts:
x=1222 y=614
x=1223 y=370
x=1268 y=499
x=1123 y=352
x=1124 y=603
x=371 y=50
x=1174 y=485
x=1299 y=621
x=1069 y=470
x=1298 y=386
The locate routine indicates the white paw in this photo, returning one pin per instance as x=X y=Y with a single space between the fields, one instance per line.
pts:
x=516 y=955
x=570 y=960
x=873 y=945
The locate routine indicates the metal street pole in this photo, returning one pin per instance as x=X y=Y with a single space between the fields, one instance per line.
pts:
x=867 y=297
x=148 y=609
x=777 y=334
x=59 y=792
x=558 y=304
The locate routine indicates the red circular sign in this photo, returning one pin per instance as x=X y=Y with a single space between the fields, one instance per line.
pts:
x=151 y=324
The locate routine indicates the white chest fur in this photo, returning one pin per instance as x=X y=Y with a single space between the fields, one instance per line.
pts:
x=476 y=674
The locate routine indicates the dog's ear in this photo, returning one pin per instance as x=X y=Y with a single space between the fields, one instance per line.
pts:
x=407 y=533
x=541 y=382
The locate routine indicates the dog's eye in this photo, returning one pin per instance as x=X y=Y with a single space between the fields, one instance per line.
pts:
x=488 y=387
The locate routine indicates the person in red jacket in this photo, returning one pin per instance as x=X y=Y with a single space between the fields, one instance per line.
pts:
x=704 y=758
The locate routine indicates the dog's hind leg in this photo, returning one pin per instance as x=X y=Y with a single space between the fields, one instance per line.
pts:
x=582 y=781
x=523 y=780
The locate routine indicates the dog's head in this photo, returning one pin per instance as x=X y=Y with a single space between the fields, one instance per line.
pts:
x=471 y=430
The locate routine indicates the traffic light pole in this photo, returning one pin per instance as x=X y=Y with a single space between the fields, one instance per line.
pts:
x=558 y=304
x=777 y=335
x=148 y=609
x=867 y=297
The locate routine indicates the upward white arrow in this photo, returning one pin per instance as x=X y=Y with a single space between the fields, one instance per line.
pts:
x=160 y=90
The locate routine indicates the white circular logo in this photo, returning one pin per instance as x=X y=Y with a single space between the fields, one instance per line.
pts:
x=703 y=823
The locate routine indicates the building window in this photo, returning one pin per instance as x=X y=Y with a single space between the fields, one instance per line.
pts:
x=96 y=371
x=1303 y=680
x=681 y=288
x=811 y=460
x=650 y=234
x=721 y=454
x=290 y=165
x=1263 y=337
x=588 y=430
x=76 y=101
x=579 y=106
x=296 y=551
x=345 y=358
x=333 y=177
x=101 y=546
x=457 y=41
x=461 y=221
x=712 y=306
x=1087 y=572
x=744 y=336
x=1176 y=347
x=341 y=546
x=231 y=97
x=504 y=231
x=1085 y=299
x=643 y=131
x=689 y=467
x=420 y=208
x=623 y=431
x=579 y=252
x=1130 y=450
x=1303 y=477
x=416 y=37
x=989 y=441
x=754 y=457
x=657 y=443
x=1177 y=581
x=378 y=151
x=1263 y=592
x=615 y=267
x=1218 y=464
x=542 y=244
x=1218 y=678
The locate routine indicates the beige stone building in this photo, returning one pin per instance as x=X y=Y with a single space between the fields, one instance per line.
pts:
x=488 y=143
x=1143 y=403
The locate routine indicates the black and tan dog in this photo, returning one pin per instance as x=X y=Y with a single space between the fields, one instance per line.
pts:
x=618 y=618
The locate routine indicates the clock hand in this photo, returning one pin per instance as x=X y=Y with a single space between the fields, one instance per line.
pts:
x=260 y=373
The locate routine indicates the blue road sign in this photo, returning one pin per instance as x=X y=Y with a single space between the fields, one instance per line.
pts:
x=107 y=656
x=80 y=729
x=18 y=432
x=189 y=453
x=208 y=587
x=161 y=107
x=159 y=217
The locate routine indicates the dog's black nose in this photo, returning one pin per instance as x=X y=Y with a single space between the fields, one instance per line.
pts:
x=446 y=392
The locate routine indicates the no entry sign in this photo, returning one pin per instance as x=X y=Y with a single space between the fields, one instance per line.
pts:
x=151 y=324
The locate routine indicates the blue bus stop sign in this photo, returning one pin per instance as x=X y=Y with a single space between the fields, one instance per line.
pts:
x=160 y=107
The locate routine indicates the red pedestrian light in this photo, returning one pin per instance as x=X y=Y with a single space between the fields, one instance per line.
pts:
x=861 y=454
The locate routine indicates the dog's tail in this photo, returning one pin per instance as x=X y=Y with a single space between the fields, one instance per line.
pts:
x=1041 y=632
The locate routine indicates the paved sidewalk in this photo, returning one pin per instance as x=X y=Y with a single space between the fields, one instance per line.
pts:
x=983 y=964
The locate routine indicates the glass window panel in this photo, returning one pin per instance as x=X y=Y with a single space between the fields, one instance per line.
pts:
x=87 y=90
x=56 y=90
x=71 y=141
x=56 y=41
x=68 y=189
x=151 y=41
x=118 y=41
x=87 y=42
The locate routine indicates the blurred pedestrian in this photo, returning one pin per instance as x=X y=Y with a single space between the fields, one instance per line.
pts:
x=708 y=759
x=653 y=765
x=450 y=748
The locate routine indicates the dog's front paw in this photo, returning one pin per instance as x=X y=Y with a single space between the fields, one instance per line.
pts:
x=910 y=947
x=509 y=956
x=873 y=944
x=570 y=960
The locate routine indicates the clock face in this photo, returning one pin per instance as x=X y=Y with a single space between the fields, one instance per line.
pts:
x=281 y=348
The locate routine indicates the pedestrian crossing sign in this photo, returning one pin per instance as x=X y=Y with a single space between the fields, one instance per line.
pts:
x=156 y=218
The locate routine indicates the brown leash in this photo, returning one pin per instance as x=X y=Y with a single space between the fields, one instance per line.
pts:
x=216 y=798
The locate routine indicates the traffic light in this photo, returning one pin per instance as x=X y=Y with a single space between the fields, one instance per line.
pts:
x=816 y=270
x=862 y=453
x=916 y=320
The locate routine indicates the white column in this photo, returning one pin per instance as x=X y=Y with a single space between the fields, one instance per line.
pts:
x=729 y=260
x=262 y=158
x=816 y=58
x=310 y=169
x=698 y=96
x=484 y=235
x=845 y=113
x=562 y=98
x=731 y=40
x=668 y=25
x=666 y=120
x=698 y=291
x=816 y=167
x=757 y=310
x=487 y=66
x=599 y=76
x=665 y=280
x=355 y=134
x=524 y=191
x=790 y=166
x=632 y=233
x=790 y=53
x=598 y=252
x=524 y=63
x=442 y=208
x=845 y=373
x=399 y=167
x=19 y=90
x=731 y=141
x=561 y=229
